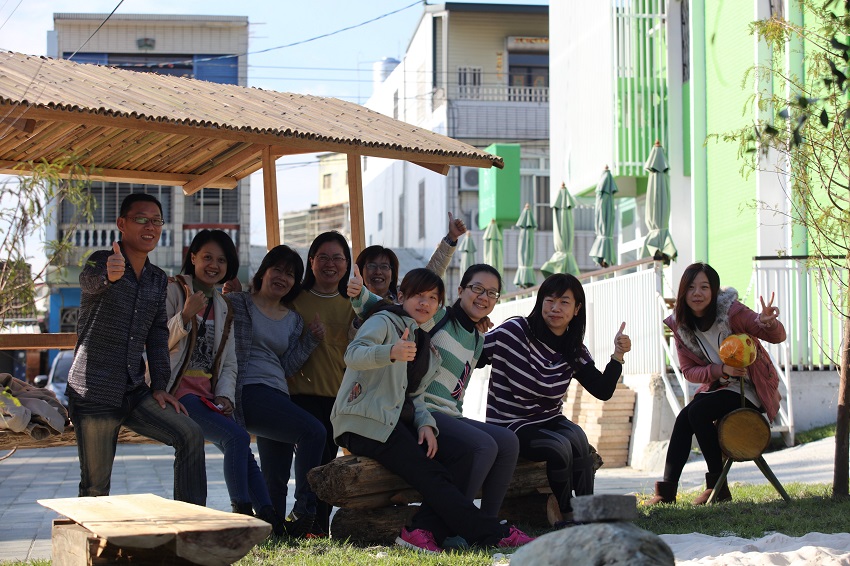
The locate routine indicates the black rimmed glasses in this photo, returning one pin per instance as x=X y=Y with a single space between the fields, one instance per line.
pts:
x=324 y=258
x=144 y=220
x=378 y=266
x=480 y=290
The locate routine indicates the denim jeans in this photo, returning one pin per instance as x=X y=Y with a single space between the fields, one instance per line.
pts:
x=242 y=475
x=96 y=427
x=278 y=423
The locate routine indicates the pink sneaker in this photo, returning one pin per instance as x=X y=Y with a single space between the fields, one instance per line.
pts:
x=515 y=538
x=419 y=540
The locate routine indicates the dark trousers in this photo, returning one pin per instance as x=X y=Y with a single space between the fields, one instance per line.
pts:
x=445 y=510
x=697 y=418
x=563 y=445
x=96 y=427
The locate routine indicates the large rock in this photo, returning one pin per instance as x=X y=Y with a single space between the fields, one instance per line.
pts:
x=591 y=545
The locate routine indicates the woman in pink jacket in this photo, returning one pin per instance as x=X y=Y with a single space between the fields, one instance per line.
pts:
x=704 y=316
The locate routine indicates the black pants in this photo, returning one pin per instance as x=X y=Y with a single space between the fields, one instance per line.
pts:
x=697 y=418
x=445 y=510
x=563 y=445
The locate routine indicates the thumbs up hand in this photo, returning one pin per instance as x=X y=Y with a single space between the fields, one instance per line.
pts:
x=195 y=303
x=622 y=342
x=317 y=328
x=355 y=284
x=457 y=228
x=404 y=350
x=115 y=264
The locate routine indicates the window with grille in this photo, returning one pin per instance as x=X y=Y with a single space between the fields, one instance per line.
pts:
x=469 y=82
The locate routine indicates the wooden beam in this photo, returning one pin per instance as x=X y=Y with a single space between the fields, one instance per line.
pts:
x=124 y=176
x=270 y=198
x=23 y=124
x=440 y=168
x=250 y=153
x=355 y=204
x=55 y=341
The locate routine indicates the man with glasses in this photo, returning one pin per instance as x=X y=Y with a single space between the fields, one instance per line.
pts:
x=122 y=321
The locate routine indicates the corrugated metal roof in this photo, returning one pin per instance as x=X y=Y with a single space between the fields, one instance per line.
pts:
x=172 y=130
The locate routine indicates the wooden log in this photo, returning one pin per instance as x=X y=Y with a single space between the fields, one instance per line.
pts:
x=743 y=434
x=527 y=509
x=371 y=526
x=10 y=440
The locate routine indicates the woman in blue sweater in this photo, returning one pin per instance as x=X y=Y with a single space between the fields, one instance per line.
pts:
x=534 y=360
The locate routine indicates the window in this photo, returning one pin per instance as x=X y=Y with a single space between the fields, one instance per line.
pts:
x=380 y=222
x=326 y=181
x=469 y=82
x=534 y=190
x=107 y=201
x=529 y=70
x=422 y=209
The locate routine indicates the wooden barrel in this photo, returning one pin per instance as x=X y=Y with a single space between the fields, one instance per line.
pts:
x=744 y=434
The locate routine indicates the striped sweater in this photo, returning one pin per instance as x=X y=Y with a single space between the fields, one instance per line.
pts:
x=529 y=379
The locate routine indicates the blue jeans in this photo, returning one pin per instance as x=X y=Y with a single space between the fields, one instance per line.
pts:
x=278 y=423
x=242 y=475
x=96 y=426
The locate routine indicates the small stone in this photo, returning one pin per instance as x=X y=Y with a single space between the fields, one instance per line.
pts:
x=600 y=508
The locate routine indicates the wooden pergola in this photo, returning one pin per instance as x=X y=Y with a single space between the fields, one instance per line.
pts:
x=148 y=128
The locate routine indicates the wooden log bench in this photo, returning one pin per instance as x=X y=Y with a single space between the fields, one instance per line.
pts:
x=148 y=529
x=374 y=504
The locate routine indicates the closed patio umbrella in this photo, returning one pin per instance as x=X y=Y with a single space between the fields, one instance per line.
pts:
x=658 y=244
x=494 y=253
x=525 y=276
x=467 y=253
x=563 y=260
x=604 y=248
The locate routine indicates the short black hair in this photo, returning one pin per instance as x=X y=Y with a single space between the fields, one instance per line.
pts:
x=221 y=238
x=286 y=256
x=323 y=238
x=479 y=268
x=373 y=252
x=133 y=198
x=421 y=280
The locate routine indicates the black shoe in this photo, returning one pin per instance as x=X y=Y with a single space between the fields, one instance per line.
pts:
x=300 y=527
x=268 y=515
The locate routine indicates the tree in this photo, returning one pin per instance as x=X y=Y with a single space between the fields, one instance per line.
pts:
x=810 y=133
x=27 y=204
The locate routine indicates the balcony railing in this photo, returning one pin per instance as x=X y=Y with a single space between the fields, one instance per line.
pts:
x=503 y=93
x=100 y=236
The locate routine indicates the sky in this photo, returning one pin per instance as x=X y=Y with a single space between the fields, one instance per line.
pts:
x=339 y=65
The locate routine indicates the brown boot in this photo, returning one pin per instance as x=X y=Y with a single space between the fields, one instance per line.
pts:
x=723 y=493
x=665 y=492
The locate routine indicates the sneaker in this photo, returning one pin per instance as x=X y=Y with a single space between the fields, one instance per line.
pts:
x=419 y=540
x=515 y=538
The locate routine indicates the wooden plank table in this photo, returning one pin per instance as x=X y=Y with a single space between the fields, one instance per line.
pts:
x=148 y=529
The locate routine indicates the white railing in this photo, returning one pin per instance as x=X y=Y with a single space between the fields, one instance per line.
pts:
x=503 y=93
x=809 y=298
x=101 y=236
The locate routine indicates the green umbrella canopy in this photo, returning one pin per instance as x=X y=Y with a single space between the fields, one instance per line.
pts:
x=525 y=276
x=604 y=248
x=493 y=248
x=658 y=244
x=467 y=252
x=563 y=260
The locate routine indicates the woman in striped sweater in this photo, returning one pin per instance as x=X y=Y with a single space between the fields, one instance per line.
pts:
x=534 y=360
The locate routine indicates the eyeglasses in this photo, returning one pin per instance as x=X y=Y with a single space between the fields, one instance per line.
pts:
x=377 y=266
x=144 y=220
x=324 y=258
x=480 y=290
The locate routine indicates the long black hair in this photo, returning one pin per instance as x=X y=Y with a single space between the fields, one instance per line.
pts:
x=684 y=314
x=324 y=237
x=555 y=286
x=285 y=257
x=221 y=238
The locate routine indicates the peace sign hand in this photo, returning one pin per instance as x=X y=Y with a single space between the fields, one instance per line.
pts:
x=115 y=264
x=769 y=313
x=403 y=350
x=355 y=284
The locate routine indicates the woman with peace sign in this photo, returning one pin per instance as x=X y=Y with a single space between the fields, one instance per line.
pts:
x=704 y=316
x=534 y=360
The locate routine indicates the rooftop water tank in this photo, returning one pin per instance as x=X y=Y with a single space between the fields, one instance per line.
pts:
x=382 y=69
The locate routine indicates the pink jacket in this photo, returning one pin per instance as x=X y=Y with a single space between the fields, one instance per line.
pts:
x=733 y=318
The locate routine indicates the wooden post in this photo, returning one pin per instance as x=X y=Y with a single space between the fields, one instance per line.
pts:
x=270 y=198
x=355 y=204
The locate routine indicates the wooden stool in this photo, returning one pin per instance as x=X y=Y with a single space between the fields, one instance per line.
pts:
x=744 y=434
x=147 y=529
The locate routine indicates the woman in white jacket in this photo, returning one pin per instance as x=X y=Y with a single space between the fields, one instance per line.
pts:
x=203 y=366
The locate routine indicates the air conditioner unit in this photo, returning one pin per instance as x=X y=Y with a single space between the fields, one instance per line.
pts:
x=468 y=178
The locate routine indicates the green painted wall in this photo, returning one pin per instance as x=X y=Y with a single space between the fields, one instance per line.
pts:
x=729 y=53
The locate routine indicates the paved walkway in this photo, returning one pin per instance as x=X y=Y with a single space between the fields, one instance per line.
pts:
x=48 y=473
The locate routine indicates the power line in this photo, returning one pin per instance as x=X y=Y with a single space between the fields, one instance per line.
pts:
x=10 y=15
x=97 y=30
